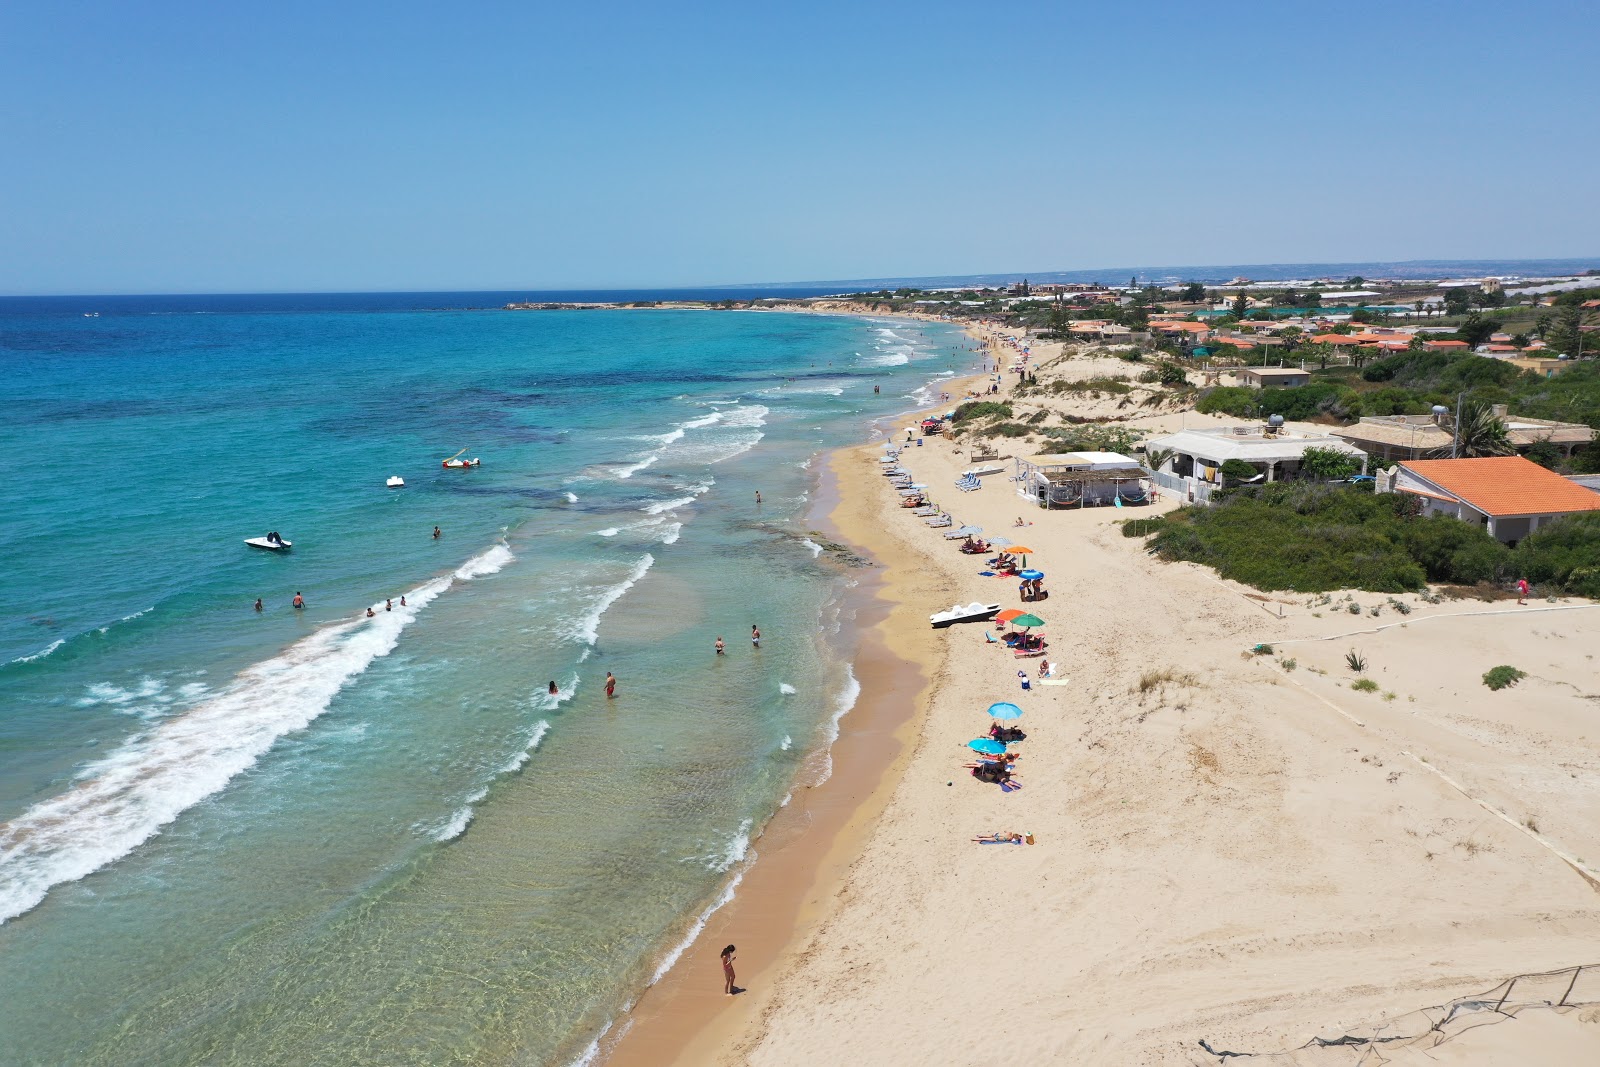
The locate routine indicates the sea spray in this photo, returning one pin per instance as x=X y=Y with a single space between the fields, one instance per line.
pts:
x=587 y=629
x=123 y=799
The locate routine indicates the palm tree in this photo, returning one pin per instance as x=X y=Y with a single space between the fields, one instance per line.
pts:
x=1156 y=458
x=1479 y=432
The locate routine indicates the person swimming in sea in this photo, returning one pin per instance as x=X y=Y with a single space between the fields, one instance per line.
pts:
x=436 y=533
x=553 y=690
x=370 y=613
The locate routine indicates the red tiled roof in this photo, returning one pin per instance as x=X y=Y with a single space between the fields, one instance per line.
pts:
x=1448 y=344
x=1506 y=485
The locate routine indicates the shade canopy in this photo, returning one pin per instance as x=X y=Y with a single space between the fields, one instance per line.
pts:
x=1018 y=549
x=1031 y=574
x=1004 y=710
x=1027 y=622
x=987 y=745
x=1009 y=614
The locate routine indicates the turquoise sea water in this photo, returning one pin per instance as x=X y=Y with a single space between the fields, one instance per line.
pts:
x=313 y=837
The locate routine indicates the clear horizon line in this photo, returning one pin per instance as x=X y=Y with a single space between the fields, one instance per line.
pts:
x=819 y=284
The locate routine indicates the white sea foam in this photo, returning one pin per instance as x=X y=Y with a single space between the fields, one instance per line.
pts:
x=634 y=468
x=786 y=744
x=662 y=506
x=572 y=498
x=540 y=728
x=127 y=796
x=609 y=531
x=738 y=852
x=125 y=618
x=459 y=820
x=816 y=549
x=485 y=563
x=43 y=652
x=786 y=689
x=670 y=532
x=587 y=629
x=841 y=707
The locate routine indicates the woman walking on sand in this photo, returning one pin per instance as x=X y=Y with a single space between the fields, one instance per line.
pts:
x=727 y=971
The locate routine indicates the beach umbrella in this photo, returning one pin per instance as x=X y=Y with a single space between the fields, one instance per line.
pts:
x=1009 y=614
x=1001 y=541
x=1027 y=622
x=1021 y=550
x=987 y=745
x=1031 y=574
x=1004 y=710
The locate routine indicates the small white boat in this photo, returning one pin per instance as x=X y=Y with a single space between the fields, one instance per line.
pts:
x=395 y=482
x=456 y=463
x=974 y=612
x=280 y=545
x=987 y=468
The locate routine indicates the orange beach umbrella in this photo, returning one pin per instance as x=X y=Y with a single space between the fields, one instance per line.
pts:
x=1018 y=550
x=1009 y=614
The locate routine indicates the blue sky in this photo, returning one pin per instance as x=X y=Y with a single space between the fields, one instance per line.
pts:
x=202 y=147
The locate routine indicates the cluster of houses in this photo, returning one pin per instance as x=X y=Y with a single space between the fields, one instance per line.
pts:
x=1510 y=496
x=1201 y=338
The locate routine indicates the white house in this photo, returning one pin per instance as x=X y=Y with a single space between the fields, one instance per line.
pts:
x=1195 y=464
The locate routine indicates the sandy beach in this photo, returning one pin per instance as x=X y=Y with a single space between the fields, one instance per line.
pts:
x=1231 y=847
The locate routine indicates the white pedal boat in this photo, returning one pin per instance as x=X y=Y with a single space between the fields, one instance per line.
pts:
x=974 y=612
x=270 y=546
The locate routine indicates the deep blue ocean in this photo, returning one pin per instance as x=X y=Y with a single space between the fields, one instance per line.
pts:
x=314 y=837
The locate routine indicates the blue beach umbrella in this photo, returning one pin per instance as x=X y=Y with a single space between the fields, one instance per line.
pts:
x=1004 y=710
x=1031 y=574
x=987 y=745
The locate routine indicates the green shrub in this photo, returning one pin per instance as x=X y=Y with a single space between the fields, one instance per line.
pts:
x=1006 y=429
x=1328 y=463
x=1297 y=536
x=1498 y=678
x=1141 y=527
x=1237 y=470
x=1565 y=554
x=1355 y=661
x=1236 y=400
x=977 y=409
x=1364 y=685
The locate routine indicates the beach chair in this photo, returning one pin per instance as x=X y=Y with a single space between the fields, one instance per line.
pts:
x=942 y=520
x=926 y=509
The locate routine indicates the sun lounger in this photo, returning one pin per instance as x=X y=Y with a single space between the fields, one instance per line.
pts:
x=943 y=520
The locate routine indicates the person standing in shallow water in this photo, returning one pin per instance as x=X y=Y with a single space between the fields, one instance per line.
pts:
x=611 y=685
x=728 y=988
x=720 y=646
x=755 y=636
x=553 y=690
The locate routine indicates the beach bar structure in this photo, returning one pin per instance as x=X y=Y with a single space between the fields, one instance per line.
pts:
x=1509 y=496
x=1193 y=466
x=1080 y=479
x=1393 y=437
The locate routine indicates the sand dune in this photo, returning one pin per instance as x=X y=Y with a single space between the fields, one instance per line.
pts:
x=1227 y=850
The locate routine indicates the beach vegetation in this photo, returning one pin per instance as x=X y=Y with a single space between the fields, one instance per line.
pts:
x=1237 y=470
x=1092 y=437
x=978 y=409
x=1006 y=429
x=1364 y=685
x=1355 y=661
x=1498 y=678
x=1312 y=538
x=1162 y=677
x=1328 y=463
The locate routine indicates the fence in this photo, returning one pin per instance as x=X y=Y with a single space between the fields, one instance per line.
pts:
x=1188 y=490
x=1427 y=1028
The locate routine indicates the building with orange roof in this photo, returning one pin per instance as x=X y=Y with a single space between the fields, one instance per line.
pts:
x=1448 y=346
x=1508 y=495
